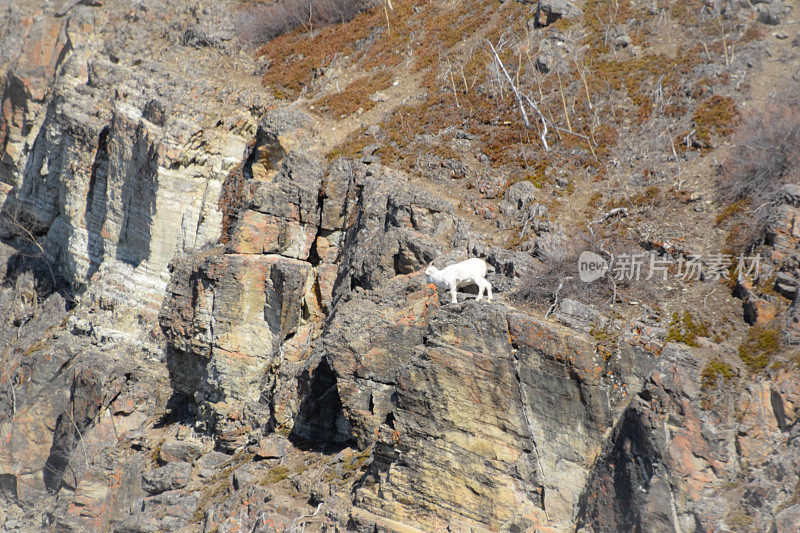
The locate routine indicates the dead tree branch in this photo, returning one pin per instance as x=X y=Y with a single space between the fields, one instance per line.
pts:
x=622 y=211
x=13 y=395
x=521 y=98
x=555 y=296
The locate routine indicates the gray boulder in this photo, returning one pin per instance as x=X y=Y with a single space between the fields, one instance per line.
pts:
x=168 y=477
x=771 y=13
x=180 y=451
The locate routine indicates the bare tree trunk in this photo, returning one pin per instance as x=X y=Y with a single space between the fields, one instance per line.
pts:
x=521 y=98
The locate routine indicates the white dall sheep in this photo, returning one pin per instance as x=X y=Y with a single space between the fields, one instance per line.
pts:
x=459 y=274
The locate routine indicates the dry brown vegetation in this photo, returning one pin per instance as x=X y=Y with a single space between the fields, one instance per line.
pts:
x=578 y=98
x=356 y=96
x=462 y=87
x=586 y=98
x=715 y=116
x=539 y=287
x=593 y=94
x=263 y=22
x=558 y=274
x=767 y=153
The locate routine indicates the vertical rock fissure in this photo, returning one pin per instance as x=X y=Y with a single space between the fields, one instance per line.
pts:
x=97 y=205
x=313 y=255
x=87 y=399
x=529 y=420
x=200 y=216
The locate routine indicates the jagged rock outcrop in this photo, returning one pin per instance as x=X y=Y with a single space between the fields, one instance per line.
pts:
x=672 y=464
x=231 y=321
x=65 y=402
x=94 y=166
x=314 y=318
x=777 y=273
x=783 y=236
x=447 y=392
x=207 y=323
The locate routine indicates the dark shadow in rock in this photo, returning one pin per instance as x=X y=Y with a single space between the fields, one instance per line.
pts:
x=34 y=206
x=60 y=451
x=320 y=425
x=179 y=409
x=86 y=402
x=139 y=186
x=618 y=486
x=97 y=205
x=47 y=280
x=8 y=487
x=28 y=212
x=179 y=322
x=186 y=372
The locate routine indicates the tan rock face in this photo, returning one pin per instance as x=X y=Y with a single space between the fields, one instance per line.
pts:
x=484 y=421
x=308 y=337
x=124 y=214
x=475 y=414
x=228 y=314
x=670 y=464
x=240 y=320
x=111 y=190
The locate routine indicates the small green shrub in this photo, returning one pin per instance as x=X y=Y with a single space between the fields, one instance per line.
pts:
x=713 y=371
x=276 y=474
x=603 y=334
x=686 y=329
x=760 y=345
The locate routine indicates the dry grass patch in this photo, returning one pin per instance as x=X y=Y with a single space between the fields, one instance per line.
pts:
x=715 y=116
x=354 y=97
x=767 y=152
x=298 y=57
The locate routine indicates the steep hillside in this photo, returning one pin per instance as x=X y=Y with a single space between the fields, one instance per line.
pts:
x=214 y=219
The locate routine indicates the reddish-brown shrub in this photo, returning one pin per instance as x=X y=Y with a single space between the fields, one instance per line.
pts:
x=355 y=96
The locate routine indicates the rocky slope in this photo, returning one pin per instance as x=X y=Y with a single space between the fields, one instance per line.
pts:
x=214 y=318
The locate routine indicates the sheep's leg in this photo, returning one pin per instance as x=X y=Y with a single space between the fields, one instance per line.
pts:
x=479 y=283
x=453 y=291
x=488 y=290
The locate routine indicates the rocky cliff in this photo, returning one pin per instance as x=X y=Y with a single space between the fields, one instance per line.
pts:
x=213 y=309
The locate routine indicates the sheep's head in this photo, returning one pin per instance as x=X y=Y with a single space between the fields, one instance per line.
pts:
x=430 y=273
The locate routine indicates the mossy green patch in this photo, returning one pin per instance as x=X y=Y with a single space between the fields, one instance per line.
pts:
x=274 y=475
x=759 y=347
x=715 y=370
x=686 y=329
